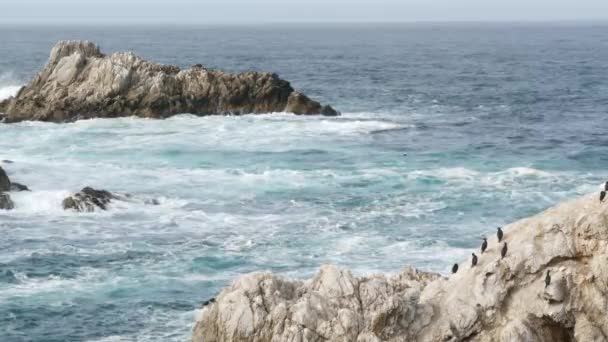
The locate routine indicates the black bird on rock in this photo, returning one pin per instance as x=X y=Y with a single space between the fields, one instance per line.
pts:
x=484 y=245
x=499 y=234
x=210 y=301
x=547 y=279
x=503 y=251
x=455 y=268
x=602 y=196
x=474 y=260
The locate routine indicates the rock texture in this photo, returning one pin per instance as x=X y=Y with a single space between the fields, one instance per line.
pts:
x=5 y=182
x=498 y=300
x=5 y=186
x=5 y=202
x=89 y=199
x=79 y=81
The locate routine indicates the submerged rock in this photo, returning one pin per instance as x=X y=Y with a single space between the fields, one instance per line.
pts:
x=499 y=300
x=18 y=187
x=79 y=82
x=5 y=202
x=88 y=200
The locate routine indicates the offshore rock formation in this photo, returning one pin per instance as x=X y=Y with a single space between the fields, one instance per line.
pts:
x=5 y=186
x=498 y=300
x=89 y=199
x=80 y=82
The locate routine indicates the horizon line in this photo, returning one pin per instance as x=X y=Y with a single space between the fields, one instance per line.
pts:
x=303 y=22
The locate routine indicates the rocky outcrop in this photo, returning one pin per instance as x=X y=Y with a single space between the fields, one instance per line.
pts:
x=5 y=202
x=5 y=186
x=18 y=187
x=5 y=182
x=498 y=300
x=88 y=200
x=79 y=81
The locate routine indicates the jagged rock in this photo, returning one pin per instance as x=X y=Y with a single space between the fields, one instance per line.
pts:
x=18 y=187
x=88 y=200
x=5 y=182
x=79 y=81
x=5 y=202
x=500 y=300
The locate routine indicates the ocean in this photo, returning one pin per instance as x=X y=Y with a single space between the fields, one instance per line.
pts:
x=448 y=131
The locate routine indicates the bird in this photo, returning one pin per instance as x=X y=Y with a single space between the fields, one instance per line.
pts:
x=455 y=268
x=474 y=260
x=503 y=252
x=547 y=279
x=499 y=234
x=606 y=186
x=602 y=196
x=484 y=245
x=209 y=301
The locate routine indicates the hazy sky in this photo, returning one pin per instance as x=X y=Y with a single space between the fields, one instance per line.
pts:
x=267 y=11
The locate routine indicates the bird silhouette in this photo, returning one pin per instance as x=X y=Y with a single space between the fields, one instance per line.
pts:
x=503 y=251
x=455 y=268
x=474 y=260
x=606 y=186
x=547 y=279
x=484 y=245
x=209 y=301
x=499 y=234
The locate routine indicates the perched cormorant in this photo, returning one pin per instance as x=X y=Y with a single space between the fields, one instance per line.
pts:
x=499 y=234
x=455 y=268
x=484 y=245
x=474 y=260
x=602 y=196
x=547 y=279
x=209 y=301
x=503 y=252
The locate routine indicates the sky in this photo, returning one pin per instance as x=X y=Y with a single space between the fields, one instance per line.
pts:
x=280 y=11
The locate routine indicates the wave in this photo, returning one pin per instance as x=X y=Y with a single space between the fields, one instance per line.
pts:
x=8 y=91
x=9 y=86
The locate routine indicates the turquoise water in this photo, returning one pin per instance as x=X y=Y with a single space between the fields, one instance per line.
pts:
x=447 y=133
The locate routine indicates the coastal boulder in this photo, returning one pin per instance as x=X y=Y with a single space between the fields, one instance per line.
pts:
x=88 y=200
x=499 y=300
x=80 y=82
x=18 y=187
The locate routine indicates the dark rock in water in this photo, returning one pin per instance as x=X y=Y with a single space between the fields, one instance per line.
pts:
x=300 y=104
x=8 y=276
x=88 y=199
x=80 y=82
x=18 y=187
x=5 y=202
x=5 y=183
x=152 y=201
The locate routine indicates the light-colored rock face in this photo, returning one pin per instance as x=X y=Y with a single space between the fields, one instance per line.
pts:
x=81 y=82
x=500 y=300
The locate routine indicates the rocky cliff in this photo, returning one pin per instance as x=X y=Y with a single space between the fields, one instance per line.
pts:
x=497 y=300
x=79 y=81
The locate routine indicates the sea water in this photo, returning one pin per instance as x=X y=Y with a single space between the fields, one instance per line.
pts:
x=447 y=132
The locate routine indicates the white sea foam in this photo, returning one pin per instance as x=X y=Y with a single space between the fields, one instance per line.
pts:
x=8 y=91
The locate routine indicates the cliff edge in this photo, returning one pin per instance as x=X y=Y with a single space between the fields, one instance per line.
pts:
x=80 y=82
x=500 y=299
